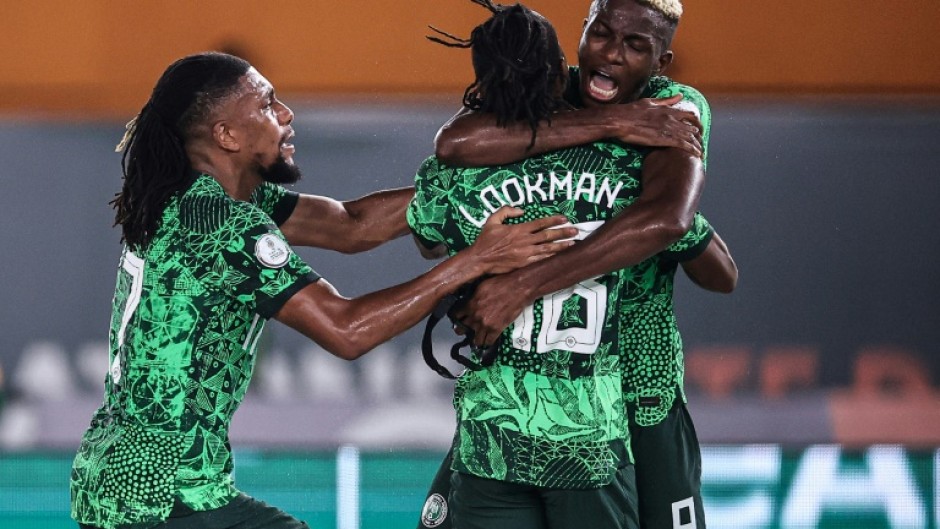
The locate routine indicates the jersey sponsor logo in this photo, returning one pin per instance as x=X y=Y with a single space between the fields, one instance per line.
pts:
x=271 y=251
x=435 y=511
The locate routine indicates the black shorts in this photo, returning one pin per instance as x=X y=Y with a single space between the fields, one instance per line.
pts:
x=436 y=511
x=243 y=512
x=668 y=470
x=668 y=476
x=469 y=502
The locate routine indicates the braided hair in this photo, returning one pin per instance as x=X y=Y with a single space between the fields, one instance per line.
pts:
x=518 y=65
x=154 y=164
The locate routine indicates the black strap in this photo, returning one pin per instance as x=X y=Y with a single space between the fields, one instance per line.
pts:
x=427 y=350
x=445 y=308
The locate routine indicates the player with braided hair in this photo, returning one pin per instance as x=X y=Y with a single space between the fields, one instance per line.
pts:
x=204 y=266
x=541 y=435
x=624 y=50
x=511 y=86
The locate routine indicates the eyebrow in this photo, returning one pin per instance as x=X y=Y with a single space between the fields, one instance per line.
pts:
x=635 y=34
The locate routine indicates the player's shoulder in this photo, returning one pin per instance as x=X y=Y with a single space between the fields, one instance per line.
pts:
x=206 y=208
x=429 y=165
x=266 y=192
x=662 y=86
x=427 y=171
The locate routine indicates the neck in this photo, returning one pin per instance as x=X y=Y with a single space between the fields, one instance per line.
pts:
x=238 y=182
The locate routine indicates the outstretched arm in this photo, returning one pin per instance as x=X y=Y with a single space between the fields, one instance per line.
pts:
x=350 y=328
x=472 y=139
x=350 y=226
x=672 y=185
x=714 y=269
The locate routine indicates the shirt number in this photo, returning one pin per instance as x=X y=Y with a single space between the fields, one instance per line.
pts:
x=134 y=266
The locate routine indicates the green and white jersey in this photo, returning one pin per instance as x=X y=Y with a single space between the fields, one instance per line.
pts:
x=649 y=336
x=692 y=100
x=187 y=315
x=549 y=411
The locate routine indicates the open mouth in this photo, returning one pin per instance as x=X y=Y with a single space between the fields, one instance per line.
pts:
x=601 y=87
x=287 y=148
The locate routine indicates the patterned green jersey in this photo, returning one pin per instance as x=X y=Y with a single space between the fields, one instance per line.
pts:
x=649 y=336
x=549 y=411
x=692 y=100
x=187 y=315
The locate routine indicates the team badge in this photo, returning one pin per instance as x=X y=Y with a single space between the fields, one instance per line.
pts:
x=272 y=251
x=435 y=511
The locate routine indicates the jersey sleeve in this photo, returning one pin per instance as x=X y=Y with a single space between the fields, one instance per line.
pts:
x=259 y=266
x=693 y=243
x=692 y=100
x=275 y=201
x=429 y=210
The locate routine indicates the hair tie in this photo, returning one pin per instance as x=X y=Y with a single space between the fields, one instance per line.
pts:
x=129 y=129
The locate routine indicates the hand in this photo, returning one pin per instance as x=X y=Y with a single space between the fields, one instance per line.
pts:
x=501 y=248
x=655 y=123
x=495 y=304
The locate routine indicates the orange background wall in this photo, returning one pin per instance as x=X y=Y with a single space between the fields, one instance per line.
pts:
x=103 y=56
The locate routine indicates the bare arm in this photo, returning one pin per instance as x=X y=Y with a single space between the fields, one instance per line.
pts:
x=672 y=185
x=472 y=139
x=714 y=269
x=350 y=328
x=351 y=226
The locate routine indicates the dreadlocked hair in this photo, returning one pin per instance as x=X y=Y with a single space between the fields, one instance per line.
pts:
x=154 y=161
x=517 y=62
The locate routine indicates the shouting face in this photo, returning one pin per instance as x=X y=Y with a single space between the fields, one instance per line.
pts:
x=623 y=44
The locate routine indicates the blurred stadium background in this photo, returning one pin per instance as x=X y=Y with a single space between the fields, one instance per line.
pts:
x=814 y=386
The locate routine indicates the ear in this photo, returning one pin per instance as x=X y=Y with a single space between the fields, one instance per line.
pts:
x=225 y=136
x=663 y=63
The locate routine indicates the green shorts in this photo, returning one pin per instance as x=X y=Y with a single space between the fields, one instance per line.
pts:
x=668 y=470
x=243 y=512
x=465 y=501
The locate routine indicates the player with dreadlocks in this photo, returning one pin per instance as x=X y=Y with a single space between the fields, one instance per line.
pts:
x=623 y=54
x=520 y=91
x=541 y=435
x=204 y=266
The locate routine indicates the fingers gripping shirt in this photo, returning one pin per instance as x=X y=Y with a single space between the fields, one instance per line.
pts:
x=549 y=411
x=658 y=87
x=649 y=335
x=692 y=100
x=186 y=318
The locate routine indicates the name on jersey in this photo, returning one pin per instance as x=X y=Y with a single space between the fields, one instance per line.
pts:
x=517 y=191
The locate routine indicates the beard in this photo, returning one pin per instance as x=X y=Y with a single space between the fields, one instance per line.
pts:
x=280 y=172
